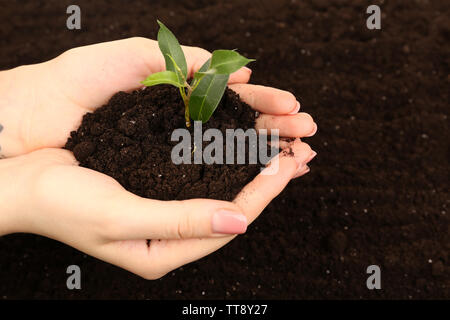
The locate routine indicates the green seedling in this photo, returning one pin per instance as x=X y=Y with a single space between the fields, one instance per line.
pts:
x=202 y=95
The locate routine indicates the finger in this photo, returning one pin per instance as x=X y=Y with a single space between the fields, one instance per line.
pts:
x=302 y=172
x=273 y=179
x=90 y=75
x=282 y=143
x=152 y=219
x=163 y=256
x=266 y=99
x=299 y=125
x=240 y=76
x=196 y=57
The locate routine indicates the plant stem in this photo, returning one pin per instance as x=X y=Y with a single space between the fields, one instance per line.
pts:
x=186 y=106
x=186 y=115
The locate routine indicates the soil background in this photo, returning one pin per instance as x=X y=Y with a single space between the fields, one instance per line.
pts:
x=129 y=139
x=377 y=192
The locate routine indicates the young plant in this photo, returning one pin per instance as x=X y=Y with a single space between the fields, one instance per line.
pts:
x=202 y=95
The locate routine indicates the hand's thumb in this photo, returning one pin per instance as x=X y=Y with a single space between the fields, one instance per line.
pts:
x=196 y=218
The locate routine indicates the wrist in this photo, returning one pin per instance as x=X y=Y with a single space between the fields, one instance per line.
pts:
x=9 y=193
x=16 y=99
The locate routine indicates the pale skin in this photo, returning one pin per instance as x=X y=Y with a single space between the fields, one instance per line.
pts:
x=44 y=191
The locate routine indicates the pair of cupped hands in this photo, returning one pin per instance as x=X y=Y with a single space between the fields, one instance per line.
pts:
x=44 y=191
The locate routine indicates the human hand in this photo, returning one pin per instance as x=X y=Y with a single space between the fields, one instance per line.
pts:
x=43 y=103
x=91 y=211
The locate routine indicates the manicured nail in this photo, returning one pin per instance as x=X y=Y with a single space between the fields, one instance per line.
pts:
x=229 y=222
x=301 y=167
x=313 y=154
x=248 y=70
x=302 y=172
x=313 y=132
x=296 y=109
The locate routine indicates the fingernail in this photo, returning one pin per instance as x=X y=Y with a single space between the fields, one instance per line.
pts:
x=296 y=109
x=248 y=70
x=302 y=165
x=313 y=154
x=229 y=222
x=313 y=132
x=302 y=172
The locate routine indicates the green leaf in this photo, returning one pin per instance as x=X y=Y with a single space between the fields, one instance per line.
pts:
x=200 y=73
x=178 y=71
x=170 y=46
x=226 y=62
x=163 y=77
x=206 y=96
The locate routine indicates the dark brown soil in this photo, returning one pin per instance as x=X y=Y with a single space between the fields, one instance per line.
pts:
x=377 y=192
x=129 y=139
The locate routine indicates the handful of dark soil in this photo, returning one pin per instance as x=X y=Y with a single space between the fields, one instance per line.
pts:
x=129 y=139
